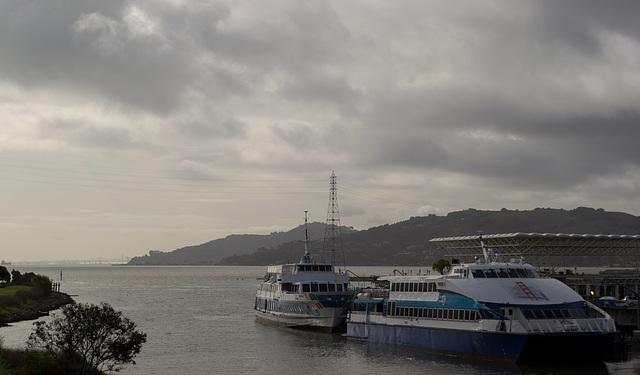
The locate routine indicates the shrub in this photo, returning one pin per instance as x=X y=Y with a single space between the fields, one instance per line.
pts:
x=97 y=337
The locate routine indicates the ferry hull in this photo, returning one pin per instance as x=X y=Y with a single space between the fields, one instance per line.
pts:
x=329 y=320
x=491 y=346
x=482 y=345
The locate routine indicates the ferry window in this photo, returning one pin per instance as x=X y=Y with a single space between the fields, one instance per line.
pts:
x=530 y=273
x=332 y=287
x=415 y=287
x=339 y=287
x=420 y=312
x=558 y=313
x=478 y=274
x=548 y=314
x=394 y=287
x=502 y=273
x=539 y=314
x=490 y=273
x=410 y=287
x=432 y=287
x=314 y=287
x=440 y=312
x=346 y=286
x=521 y=273
x=456 y=314
x=512 y=273
x=314 y=268
x=305 y=288
x=528 y=314
x=300 y=268
x=467 y=315
x=323 y=287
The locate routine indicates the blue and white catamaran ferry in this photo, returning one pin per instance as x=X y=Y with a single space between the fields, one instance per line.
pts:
x=489 y=309
x=304 y=294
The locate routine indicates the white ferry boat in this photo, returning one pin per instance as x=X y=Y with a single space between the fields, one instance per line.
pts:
x=489 y=309
x=304 y=294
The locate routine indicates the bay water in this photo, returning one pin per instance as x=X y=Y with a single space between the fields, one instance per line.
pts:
x=200 y=320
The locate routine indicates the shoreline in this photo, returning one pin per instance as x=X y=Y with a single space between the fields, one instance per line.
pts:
x=42 y=308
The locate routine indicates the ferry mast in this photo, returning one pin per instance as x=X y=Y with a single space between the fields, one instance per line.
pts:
x=333 y=235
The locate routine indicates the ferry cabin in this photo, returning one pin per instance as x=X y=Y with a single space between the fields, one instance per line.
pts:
x=289 y=278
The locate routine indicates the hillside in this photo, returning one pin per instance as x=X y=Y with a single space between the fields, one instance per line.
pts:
x=406 y=243
x=237 y=244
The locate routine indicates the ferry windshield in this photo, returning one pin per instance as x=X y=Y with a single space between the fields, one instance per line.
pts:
x=502 y=273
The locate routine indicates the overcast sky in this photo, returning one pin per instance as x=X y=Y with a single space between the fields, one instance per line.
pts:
x=135 y=125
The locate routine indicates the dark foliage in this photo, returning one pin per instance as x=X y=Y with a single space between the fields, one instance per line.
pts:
x=90 y=336
x=31 y=279
x=440 y=265
x=5 y=275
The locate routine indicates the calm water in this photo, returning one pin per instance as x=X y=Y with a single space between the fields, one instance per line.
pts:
x=199 y=320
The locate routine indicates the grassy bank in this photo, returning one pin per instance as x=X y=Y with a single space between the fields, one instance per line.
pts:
x=35 y=362
x=16 y=297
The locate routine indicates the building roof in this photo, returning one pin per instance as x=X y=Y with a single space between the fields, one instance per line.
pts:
x=540 y=244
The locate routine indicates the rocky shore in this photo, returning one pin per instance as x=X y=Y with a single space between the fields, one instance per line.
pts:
x=53 y=302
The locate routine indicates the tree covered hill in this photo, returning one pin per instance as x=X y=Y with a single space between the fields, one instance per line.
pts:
x=407 y=243
x=213 y=251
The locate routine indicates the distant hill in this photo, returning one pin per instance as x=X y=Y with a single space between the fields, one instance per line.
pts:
x=407 y=243
x=213 y=251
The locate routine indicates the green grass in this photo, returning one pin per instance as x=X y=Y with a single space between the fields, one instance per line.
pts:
x=12 y=290
x=15 y=297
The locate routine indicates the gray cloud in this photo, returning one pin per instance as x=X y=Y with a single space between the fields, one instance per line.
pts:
x=448 y=106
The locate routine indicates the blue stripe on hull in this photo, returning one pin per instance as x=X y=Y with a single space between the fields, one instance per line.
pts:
x=485 y=345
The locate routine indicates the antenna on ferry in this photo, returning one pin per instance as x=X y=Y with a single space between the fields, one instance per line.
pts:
x=306 y=233
x=307 y=258
x=484 y=249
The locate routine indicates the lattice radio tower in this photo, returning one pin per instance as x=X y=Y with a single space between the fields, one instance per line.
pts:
x=332 y=234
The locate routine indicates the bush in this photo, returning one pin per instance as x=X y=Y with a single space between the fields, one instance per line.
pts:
x=97 y=337
x=43 y=283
